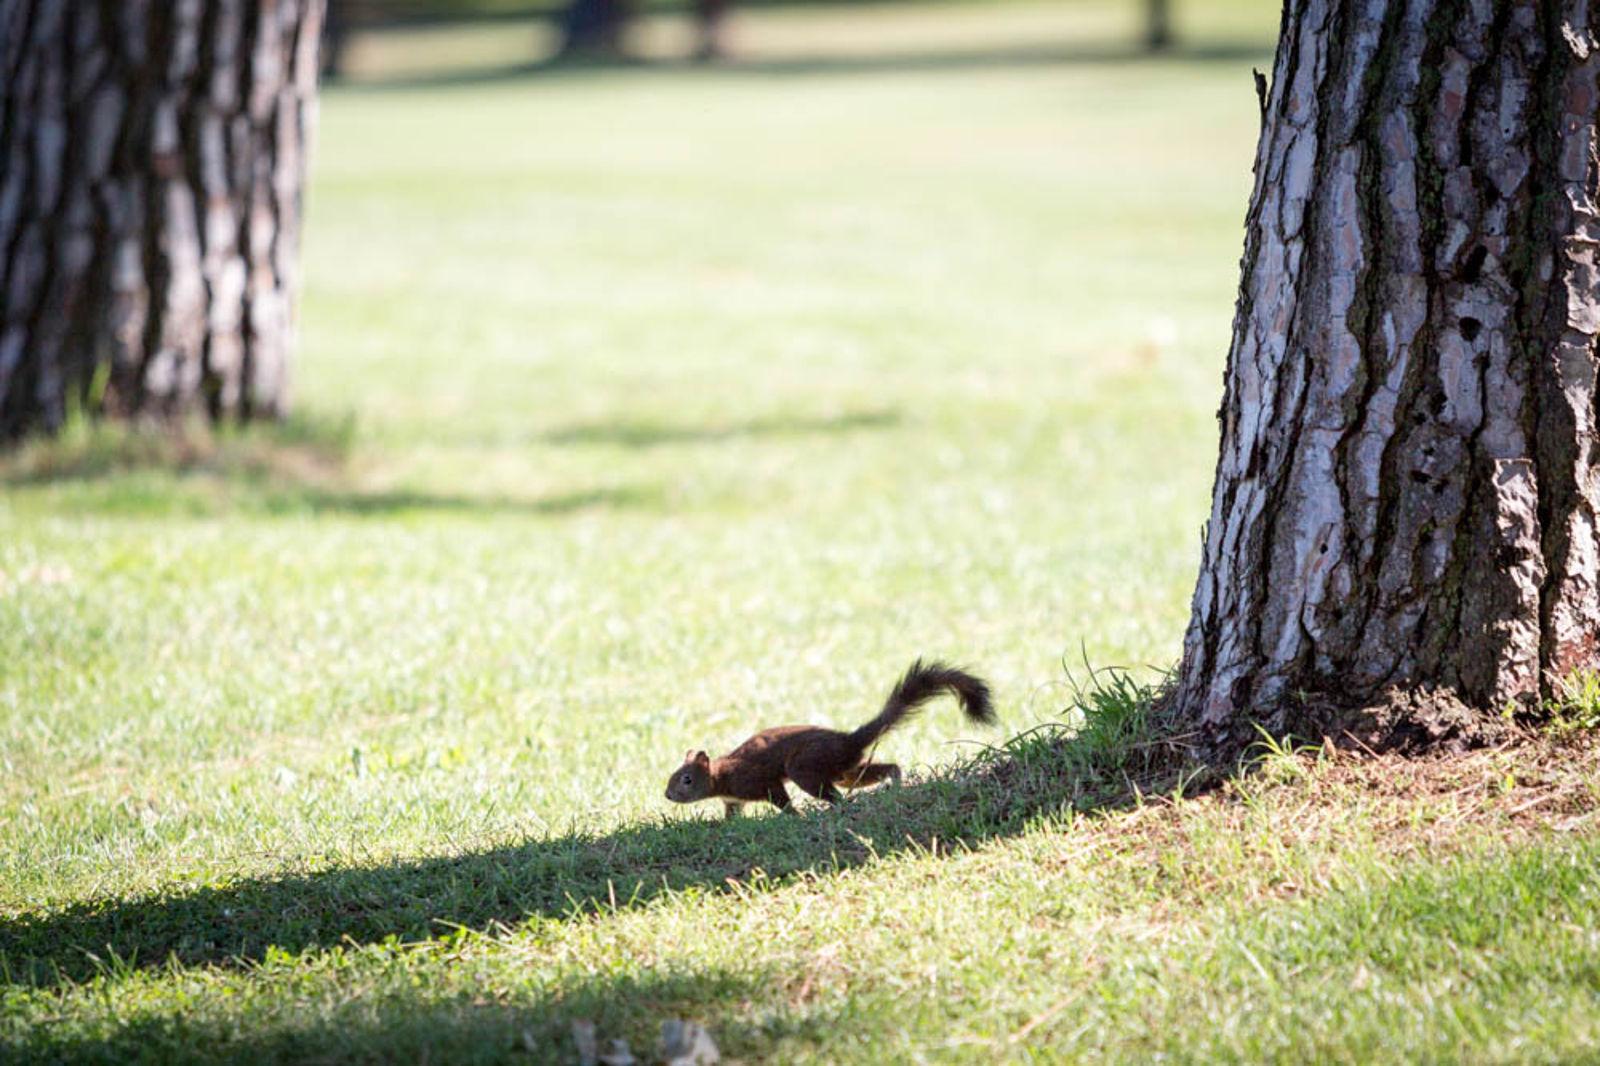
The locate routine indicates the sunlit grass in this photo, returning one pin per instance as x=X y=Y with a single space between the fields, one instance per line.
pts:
x=673 y=405
x=641 y=409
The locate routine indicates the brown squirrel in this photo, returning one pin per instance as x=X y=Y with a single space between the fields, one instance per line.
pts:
x=821 y=761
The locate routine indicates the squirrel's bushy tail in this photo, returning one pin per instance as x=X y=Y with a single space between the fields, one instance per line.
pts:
x=920 y=684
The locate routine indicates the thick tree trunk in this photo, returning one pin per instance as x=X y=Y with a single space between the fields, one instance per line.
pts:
x=1404 y=522
x=153 y=153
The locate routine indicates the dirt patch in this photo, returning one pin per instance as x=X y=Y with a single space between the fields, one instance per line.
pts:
x=1403 y=720
x=1403 y=805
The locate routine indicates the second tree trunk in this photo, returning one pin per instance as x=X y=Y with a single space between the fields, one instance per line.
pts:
x=152 y=155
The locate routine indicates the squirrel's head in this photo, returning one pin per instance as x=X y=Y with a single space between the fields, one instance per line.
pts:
x=692 y=780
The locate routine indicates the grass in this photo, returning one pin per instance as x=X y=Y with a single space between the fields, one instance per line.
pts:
x=639 y=409
x=1576 y=708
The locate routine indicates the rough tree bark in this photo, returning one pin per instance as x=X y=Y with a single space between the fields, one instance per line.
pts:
x=152 y=154
x=1403 y=531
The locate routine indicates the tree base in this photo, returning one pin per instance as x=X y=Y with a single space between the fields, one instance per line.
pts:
x=1403 y=721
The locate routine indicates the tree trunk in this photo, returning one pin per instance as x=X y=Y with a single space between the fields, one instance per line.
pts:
x=1403 y=532
x=153 y=154
x=1157 y=25
x=335 y=38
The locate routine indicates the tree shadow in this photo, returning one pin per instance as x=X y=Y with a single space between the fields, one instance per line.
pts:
x=411 y=1025
x=299 y=466
x=1044 y=54
x=299 y=446
x=643 y=434
x=196 y=497
x=558 y=877
x=384 y=504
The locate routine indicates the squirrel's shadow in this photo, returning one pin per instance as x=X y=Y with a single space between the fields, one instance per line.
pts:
x=553 y=877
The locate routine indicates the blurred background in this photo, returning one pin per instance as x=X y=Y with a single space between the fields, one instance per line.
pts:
x=641 y=401
x=374 y=39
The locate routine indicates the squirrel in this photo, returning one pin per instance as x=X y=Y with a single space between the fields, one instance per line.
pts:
x=821 y=761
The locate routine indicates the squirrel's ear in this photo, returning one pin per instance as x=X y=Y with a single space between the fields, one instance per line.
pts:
x=688 y=756
x=701 y=758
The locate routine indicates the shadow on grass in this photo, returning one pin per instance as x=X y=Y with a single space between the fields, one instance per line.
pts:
x=1000 y=794
x=298 y=466
x=208 y=497
x=387 y=503
x=299 y=447
x=632 y=434
x=1519 y=909
x=1030 y=55
x=409 y=1025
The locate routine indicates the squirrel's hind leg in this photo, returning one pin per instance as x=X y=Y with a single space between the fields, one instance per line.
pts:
x=815 y=783
x=868 y=774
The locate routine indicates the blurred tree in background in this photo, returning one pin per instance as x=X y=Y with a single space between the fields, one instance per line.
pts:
x=150 y=202
x=597 y=28
x=1158 y=24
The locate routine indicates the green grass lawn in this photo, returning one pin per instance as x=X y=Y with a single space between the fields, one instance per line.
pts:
x=640 y=409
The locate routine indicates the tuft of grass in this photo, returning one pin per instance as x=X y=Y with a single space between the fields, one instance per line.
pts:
x=1118 y=719
x=1111 y=744
x=1576 y=707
